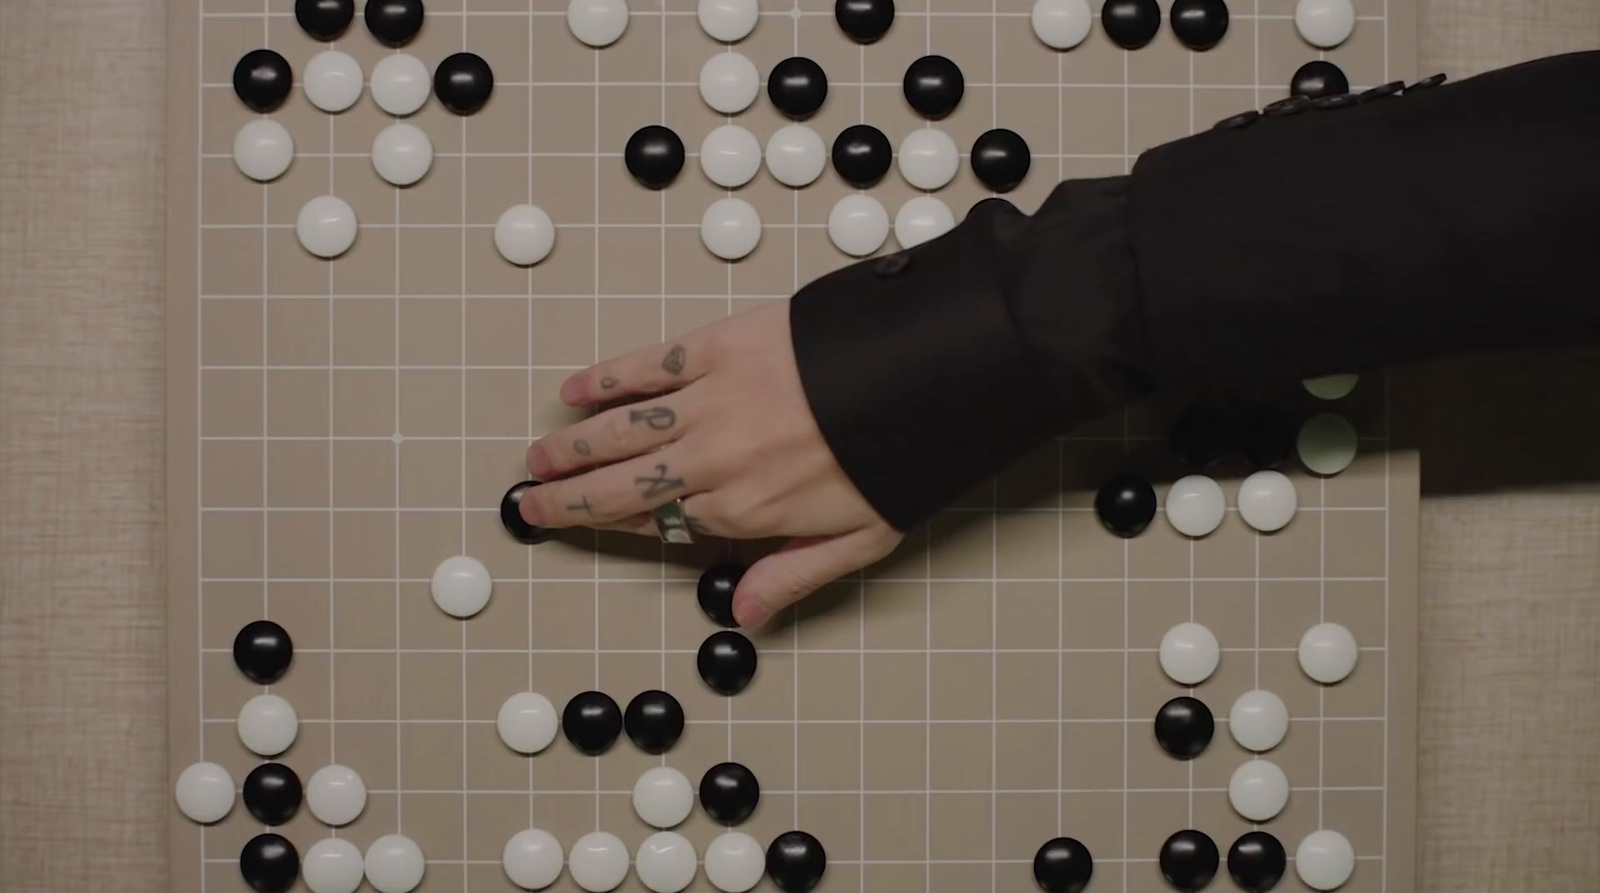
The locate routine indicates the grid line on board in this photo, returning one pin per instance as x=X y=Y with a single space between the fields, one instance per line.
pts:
x=468 y=512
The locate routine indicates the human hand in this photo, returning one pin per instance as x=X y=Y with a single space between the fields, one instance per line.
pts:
x=718 y=419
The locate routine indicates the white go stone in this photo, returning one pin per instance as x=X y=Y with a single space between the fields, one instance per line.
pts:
x=1259 y=720
x=401 y=84
x=394 y=864
x=1324 y=860
x=922 y=218
x=1258 y=790
x=597 y=23
x=730 y=228
x=1267 y=500
x=1195 y=505
x=532 y=859
x=858 y=224
x=730 y=156
x=729 y=82
x=461 y=586
x=795 y=155
x=1328 y=653
x=336 y=795
x=267 y=725
x=326 y=226
x=1331 y=387
x=663 y=797
x=928 y=158
x=204 y=792
x=735 y=862
x=527 y=722
x=332 y=865
x=666 y=862
x=598 y=862
x=402 y=153
x=263 y=149
x=1061 y=24
x=1327 y=444
x=524 y=234
x=332 y=80
x=1189 y=653
x=1325 y=23
x=729 y=21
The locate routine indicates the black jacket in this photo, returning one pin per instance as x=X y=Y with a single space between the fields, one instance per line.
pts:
x=1340 y=237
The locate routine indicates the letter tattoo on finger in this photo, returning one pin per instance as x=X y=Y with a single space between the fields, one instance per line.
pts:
x=659 y=418
x=607 y=383
x=581 y=447
x=652 y=486
x=582 y=505
x=673 y=361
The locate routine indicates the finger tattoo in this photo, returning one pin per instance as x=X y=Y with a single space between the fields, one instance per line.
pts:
x=583 y=505
x=607 y=383
x=673 y=362
x=660 y=418
x=581 y=447
x=659 y=483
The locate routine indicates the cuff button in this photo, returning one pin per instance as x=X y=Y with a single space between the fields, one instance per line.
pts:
x=892 y=264
x=1382 y=91
x=1336 y=101
x=1430 y=81
x=1243 y=119
x=1287 y=106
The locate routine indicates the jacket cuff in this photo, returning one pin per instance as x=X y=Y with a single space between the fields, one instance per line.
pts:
x=925 y=375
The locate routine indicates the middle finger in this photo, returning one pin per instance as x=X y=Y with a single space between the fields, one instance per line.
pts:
x=615 y=491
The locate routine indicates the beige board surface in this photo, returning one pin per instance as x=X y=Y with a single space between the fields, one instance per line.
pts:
x=339 y=427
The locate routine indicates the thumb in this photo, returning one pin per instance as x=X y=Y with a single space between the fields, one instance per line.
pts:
x=799 y=568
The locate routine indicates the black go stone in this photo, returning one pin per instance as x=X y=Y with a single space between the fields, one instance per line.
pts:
x=272 y=793
x=862 y=155
x=262 y=650
x=654 y=155
x=1062 y=865
x=394 y=22
x=729 y=793
x=1257 y=861
x=1000 y=159
x=933 y=85
x=592 y=721
x=654 y=721
x=1266 y=437
x=1125 y=504
x=1199 y=24
x=796 y=861
x=864 y=21
x=1189 y=860
x=1203 y=435
x=463 y=82
x=715 y=592
x=797 y=86
x=262 y=80
x=727 y=662
x=511 y=516
x=1130 y=23
x=269 y=863
x=1184 y=727
x=1318 y=78
x=324 y=19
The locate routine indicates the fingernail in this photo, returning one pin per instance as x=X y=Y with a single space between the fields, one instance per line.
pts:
x=530 y=512
x=749 y=613
x=539 y=463
x=571 y=392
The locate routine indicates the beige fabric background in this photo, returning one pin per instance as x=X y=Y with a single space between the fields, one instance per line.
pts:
x=1510 y=760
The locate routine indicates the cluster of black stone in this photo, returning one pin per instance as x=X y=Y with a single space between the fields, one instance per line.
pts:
x=1132 y=24
x=262 y=78
x=272 y=792
x=1262 y=435
x=654 y=720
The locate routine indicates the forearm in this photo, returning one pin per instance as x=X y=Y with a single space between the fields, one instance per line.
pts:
x=1459 y=218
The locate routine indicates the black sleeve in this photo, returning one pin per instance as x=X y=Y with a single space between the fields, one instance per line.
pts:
x=1452 y=219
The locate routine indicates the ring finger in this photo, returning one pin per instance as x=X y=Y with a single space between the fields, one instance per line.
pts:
x=611 y=436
